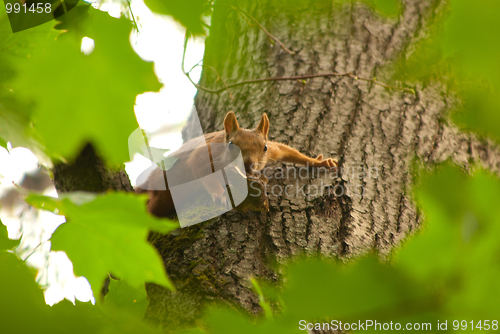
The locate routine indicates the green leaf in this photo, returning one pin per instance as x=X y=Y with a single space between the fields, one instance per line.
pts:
x=54 y=205
x=5 y=242
x=189 y=13
x=481 y=110
x=98 y=105
x=138 y=143
x=58 y=205
x=15 y=113
x=461 y=51
x=319 y=289
x=124 y=298
x=471 y=38
x=3 y=143
x=346 y=291
x=16 y=129
x=262 y=300
x=225 y=321
x=109 y=235
x=456 y=251
x=468 y=33
x=23 y=308
x=22 y=298
x=433 y=254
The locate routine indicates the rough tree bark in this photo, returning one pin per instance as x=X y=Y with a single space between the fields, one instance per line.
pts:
x=89 y=173
x=362 y=124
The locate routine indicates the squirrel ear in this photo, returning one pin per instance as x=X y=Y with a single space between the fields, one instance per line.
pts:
x=230 y=123
x=263 y=126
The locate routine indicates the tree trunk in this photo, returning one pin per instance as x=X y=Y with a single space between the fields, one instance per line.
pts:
x=365 y=126
x=89 y=173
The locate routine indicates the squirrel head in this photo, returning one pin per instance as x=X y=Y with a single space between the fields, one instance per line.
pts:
x=252 y=143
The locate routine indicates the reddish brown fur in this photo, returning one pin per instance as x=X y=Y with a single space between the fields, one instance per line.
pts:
x=251 y=143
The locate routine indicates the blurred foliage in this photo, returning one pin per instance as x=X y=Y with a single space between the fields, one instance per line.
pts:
x=461 y=50
x=189 y=13
x=132 y=301
x=5 y=242
x=23 y=309
x=15 y=114
x=459 y=250
x=108 y=235
x=83 y=97
x=449 y=271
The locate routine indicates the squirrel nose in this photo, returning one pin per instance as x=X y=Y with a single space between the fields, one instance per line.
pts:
x=248 y=167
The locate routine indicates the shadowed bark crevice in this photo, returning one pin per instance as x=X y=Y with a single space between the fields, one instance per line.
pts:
x=89 y=173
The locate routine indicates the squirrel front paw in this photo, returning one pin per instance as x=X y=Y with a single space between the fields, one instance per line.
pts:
x=330 y=162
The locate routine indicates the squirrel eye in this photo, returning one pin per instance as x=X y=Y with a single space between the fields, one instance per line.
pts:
x=265 y=147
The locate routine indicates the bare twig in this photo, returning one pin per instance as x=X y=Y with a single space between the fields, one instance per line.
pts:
x=220 y=78
x=182 y=64
x=34 y=250
x=242 y=12
x=186 y=36
x=198 y=64
x=133 y=18
x=303 y=77
x=299 y=77
x=374 y=80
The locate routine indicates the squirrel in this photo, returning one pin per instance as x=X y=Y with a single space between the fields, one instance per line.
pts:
x=255 y=150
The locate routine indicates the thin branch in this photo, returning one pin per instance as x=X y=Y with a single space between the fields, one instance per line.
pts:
x=303 y=77
x=133 y=18
x=241 y=11
x=218 y=77
x=195 y=65
x=186 y=36
x=300 y=77
x=34 y=249
x=198 y=64
x=374 y=80
x=250 y=23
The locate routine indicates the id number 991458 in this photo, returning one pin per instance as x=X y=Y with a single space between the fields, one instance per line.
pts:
x=471 y=325
x=23 y=8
